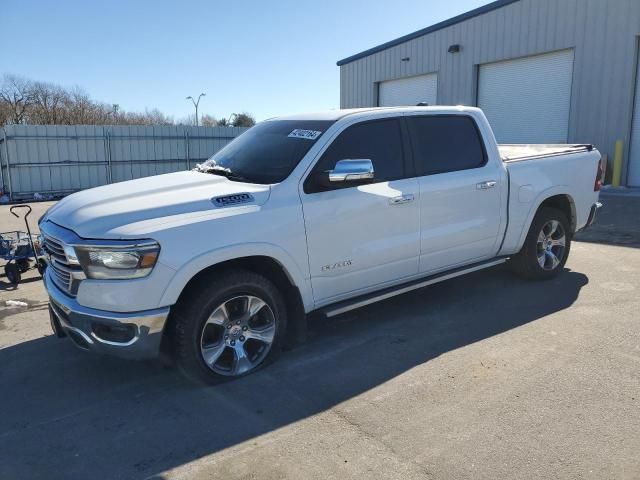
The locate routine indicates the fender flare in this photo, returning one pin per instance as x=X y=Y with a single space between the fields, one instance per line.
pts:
x=535 y=206
x=232 y=252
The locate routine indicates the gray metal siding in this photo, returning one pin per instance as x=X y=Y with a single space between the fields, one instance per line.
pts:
x=634 y=155
x=603 y=33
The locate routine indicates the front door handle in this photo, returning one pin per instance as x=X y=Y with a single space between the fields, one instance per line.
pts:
x=486 y=185
x=402 y=199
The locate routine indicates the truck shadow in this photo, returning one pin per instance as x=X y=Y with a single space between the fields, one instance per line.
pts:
x=68 y=414
x=618 y=223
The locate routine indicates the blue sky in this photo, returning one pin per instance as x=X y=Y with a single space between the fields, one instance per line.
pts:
x=267 y=58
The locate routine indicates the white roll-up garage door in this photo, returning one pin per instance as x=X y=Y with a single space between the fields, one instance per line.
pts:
x=527 y=100
x=633 y=178
x=408 y=91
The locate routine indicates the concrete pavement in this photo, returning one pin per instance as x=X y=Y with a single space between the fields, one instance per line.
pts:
x=484 y=376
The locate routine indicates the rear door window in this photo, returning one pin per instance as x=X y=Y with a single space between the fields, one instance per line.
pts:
x=445 y=143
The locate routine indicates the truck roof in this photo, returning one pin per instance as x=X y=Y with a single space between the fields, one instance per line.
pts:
x=341 y=113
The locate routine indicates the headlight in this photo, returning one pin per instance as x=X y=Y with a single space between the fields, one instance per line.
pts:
x=114 y=262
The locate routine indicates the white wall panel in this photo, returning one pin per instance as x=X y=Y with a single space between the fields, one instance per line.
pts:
x=527 y=100
x=408 y=91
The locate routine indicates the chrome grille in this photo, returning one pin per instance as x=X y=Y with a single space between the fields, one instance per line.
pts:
x=54 y=247
x=62 y=278
x=65 y=276
x=57 y=263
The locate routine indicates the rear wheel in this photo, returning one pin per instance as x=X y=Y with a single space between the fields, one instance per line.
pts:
x=546 y=248
x=230 y=327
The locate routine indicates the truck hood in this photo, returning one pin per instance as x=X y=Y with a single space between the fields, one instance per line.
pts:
x=137 y=207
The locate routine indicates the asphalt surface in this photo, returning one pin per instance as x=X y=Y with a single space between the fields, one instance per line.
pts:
x=484 y=376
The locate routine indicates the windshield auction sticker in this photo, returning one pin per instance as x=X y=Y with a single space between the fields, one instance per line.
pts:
x=308 y=134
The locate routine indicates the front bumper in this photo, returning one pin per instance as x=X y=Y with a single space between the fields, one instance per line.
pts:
x=127 y=335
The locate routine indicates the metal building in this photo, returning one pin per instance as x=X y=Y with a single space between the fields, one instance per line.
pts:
x=544 y=71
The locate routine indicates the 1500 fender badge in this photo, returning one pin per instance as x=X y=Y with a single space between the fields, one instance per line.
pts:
x=333 y=266
x=235 y=199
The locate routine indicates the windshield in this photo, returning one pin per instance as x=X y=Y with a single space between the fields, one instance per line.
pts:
x=266 y=153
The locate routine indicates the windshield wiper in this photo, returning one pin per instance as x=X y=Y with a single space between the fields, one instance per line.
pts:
x=219 y=170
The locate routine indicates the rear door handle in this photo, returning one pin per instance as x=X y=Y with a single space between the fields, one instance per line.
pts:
x=402 y=199
x=486 y=185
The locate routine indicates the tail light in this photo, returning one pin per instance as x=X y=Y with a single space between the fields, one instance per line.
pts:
x=598 y=183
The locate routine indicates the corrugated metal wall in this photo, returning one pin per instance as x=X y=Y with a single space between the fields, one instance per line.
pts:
x=604 y=34
x=58 y=159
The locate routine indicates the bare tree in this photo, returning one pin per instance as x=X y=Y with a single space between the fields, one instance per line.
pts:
x=48 y=104
x=16 y=94
x=149 y=117
x=5 y=113
x=207 y=120
x=80 y=109
x=23 y=101
x=189 y=120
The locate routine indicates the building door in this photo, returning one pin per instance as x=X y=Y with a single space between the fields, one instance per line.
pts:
x=633 y=179
x=408 y=91
x=527 y=100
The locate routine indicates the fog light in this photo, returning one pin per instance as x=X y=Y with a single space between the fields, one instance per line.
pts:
x=114 y=333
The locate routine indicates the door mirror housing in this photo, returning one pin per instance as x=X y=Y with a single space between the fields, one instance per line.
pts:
x=352 y=170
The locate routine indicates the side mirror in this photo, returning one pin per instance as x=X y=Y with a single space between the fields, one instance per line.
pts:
x=351 y=170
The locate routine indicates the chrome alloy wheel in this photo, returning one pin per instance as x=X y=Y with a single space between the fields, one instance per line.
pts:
x=238 y=335
x=551 y=245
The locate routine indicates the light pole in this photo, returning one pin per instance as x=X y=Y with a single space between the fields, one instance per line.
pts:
x=196 y=103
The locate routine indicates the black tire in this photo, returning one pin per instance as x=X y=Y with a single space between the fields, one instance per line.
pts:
x=42 y=266
x=23 y=265
x=527 y=263
x=191 y=327
x=12 y=271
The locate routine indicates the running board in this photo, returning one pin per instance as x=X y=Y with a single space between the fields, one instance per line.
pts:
x=361 y=301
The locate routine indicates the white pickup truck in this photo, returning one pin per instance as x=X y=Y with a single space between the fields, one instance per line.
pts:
x=323 y=212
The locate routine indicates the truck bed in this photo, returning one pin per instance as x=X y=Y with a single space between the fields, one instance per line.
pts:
x=516 y=153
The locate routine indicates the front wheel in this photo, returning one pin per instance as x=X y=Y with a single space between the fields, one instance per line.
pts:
x=230 y=327
x=546 y=248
